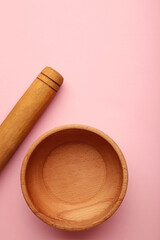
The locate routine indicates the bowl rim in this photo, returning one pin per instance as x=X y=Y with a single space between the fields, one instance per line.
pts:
x=50 y=221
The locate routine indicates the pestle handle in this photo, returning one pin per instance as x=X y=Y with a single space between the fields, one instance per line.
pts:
x=26 y=112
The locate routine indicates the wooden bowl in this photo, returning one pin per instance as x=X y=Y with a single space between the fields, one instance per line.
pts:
x=74 y=177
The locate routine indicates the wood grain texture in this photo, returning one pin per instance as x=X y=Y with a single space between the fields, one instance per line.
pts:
x=26 y=112
x=74 y=177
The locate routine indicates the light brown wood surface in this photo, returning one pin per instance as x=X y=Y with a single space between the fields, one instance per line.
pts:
x=27 y=111
x=74 y=177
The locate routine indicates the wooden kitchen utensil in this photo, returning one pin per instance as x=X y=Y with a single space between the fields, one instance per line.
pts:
x=74 y=177
x=27 y=111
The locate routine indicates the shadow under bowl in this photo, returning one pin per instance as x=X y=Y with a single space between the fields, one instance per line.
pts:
x=74 y=177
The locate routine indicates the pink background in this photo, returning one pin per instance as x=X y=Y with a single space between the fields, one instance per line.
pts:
x=109 y=55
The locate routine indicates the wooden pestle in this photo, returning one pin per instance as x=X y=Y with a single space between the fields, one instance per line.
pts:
x=27 y=111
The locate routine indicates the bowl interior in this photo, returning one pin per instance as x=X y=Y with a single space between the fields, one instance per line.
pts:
x=73 y=179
